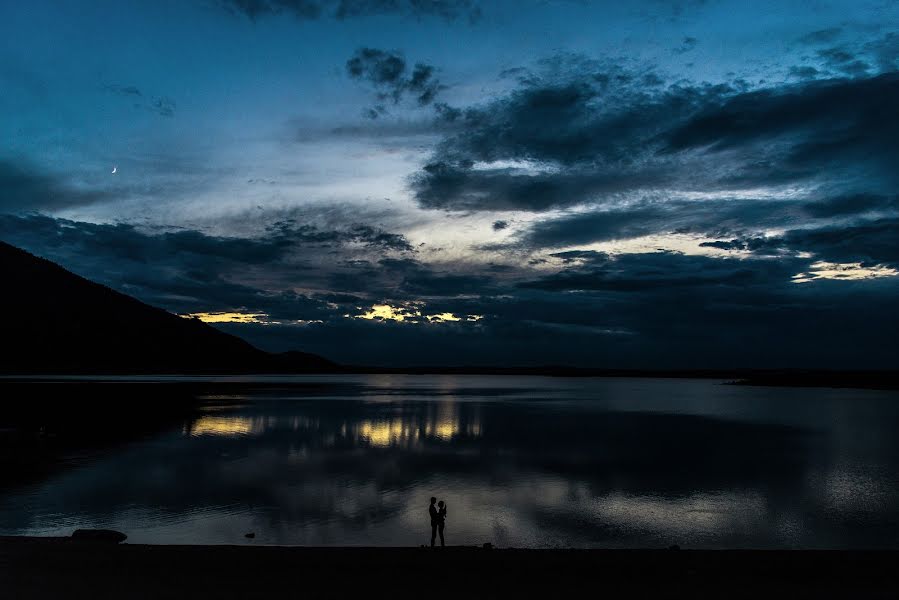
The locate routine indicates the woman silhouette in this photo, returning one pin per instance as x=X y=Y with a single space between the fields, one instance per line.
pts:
x=441 y=520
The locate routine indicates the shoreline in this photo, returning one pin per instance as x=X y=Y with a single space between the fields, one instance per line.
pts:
x=884 y=380
x=61 y=567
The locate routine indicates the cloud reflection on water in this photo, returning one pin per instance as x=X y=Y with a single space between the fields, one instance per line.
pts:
x=541 y=463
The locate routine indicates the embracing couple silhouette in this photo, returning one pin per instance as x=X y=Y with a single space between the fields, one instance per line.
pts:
x=437 y=510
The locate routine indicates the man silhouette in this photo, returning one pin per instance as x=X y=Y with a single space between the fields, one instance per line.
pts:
x=435 y=519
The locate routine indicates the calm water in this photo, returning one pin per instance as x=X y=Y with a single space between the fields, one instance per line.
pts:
x=521 y=461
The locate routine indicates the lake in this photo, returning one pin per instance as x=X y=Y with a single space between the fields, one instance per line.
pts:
x=520 y=461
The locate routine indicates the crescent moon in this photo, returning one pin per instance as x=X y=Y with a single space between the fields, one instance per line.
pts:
x=114 y=169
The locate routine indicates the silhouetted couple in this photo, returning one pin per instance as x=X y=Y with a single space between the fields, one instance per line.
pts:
x=437 y=510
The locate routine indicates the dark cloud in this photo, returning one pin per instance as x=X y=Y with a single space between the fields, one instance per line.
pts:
x=124 y=90
x=301 y=9
x=842 y=60
x=164 y=107
x=446 y=9
x=885 y=52
x=564 y=148
x=746 y=308
x=161 y=105
x=852 y=205
x=192 y=271
x=870 y=243
x=587 y=228
x=756 y=243
x=459 y=187
x=804 y=72
x=819 y=110
x=657 y=217
x=500 y=225
x=347 y=9
x=420 y=281
x=595 y=135
x=643 y=309
x=853 y=57
x=379 y=239
x=659 y=309
x=659 y=271
x=856 y=227
x=837 y=128
x=821 y=36
x=377 y=66
x=687 y=45
x=387 y=72
x=24 y=188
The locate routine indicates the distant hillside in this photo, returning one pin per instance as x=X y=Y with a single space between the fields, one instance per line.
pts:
x=57 y=322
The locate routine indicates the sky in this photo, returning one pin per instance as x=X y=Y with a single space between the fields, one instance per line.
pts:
x=648 y=184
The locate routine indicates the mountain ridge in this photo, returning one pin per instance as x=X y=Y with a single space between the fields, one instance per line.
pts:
x=59 y=322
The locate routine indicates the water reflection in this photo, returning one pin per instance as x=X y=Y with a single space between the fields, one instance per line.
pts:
x=227 y=426
x=410 y=428
x=522 y=462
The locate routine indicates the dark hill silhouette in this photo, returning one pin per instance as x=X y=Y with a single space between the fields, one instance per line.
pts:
x=57 y=322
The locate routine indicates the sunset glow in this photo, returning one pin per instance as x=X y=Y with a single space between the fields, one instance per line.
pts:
x=228 y=317
x=844 y=272
x=412 y=313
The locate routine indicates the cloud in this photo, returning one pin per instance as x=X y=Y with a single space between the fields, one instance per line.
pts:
x=24 y=188
x=853 y=57
x=853 y=205
x=500 y=225
x=804 y=72
x=458 y=187
x=446 y=9
x=885 y=52
x=164 y=107
x=837 y=127
x=347 y=9
x=842 y=60
x=688 y=44
x=190 y=271
x=420 y=281
x=821 y=36
x=387 y=72
x=863 y=224
x=874 y=242
x=659 y=308
x=587 y=135
x=543 y=146
x=161 y=105
x=659 y=271
x=124 y=90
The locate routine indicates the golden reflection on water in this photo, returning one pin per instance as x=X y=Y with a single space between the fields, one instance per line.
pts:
x=409 y=430
x=440 y=421
x=387 y=433
x=224 y=426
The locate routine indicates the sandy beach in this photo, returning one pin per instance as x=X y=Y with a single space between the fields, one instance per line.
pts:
x=62 y=568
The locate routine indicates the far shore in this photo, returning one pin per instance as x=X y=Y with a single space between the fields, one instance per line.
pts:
x=62 y=568
x=822 y=378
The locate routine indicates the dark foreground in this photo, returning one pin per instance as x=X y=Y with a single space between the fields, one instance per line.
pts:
x=61 y=568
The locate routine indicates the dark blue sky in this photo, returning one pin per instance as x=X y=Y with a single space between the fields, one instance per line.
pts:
x=626 y=184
